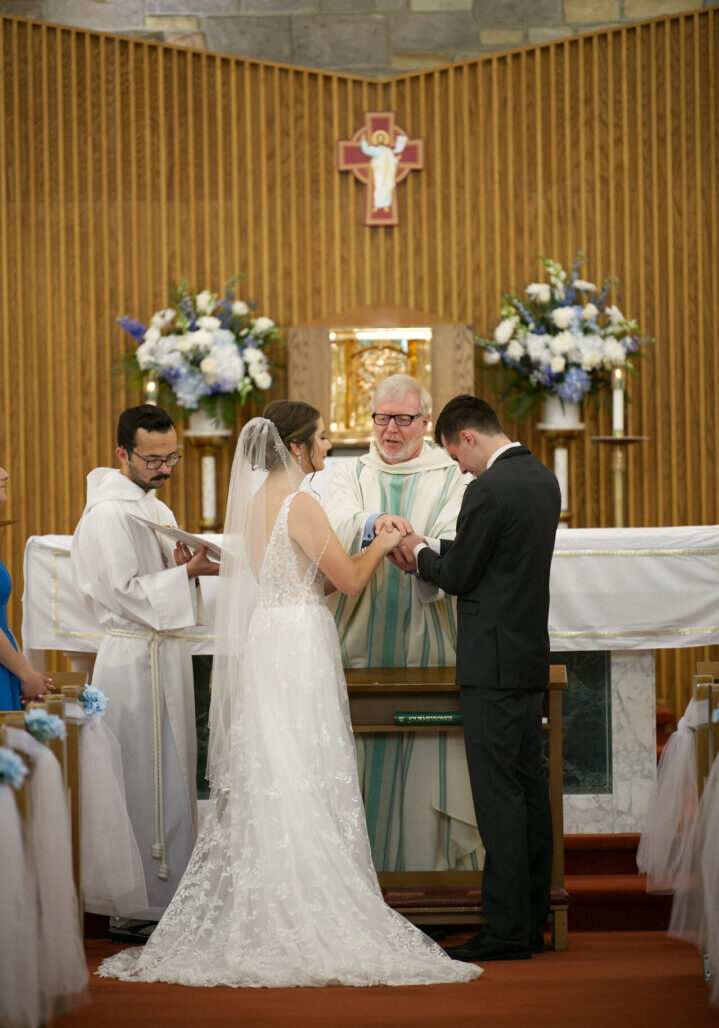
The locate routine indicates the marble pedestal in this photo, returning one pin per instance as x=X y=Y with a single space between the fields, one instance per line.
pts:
x=631 y=748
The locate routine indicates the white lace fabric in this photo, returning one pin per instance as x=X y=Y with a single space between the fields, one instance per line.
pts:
x=280 y=890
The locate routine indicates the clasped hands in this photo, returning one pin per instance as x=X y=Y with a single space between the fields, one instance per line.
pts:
x=401 y=556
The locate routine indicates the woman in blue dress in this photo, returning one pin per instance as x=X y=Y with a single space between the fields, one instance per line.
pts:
x=19 y=681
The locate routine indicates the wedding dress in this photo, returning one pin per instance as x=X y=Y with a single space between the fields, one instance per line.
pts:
x=280 y=890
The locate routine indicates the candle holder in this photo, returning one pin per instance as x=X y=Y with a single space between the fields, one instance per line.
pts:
x=561 y=426
x=620 y=446
x=150 y=388
x=208 y=436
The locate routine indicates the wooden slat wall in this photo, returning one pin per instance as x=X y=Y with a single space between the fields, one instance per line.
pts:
x=126 y=164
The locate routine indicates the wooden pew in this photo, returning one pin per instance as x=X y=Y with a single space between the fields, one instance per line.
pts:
x=706 y=736
x=454 y=897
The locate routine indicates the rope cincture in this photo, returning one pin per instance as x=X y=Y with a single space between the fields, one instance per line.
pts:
x=154 y=639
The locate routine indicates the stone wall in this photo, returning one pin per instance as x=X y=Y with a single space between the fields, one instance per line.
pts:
x=372 y=38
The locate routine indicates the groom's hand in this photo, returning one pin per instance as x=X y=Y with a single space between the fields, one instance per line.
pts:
x=402 y=559
x=402 y=556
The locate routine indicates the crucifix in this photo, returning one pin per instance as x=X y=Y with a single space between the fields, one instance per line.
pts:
x=380 y=155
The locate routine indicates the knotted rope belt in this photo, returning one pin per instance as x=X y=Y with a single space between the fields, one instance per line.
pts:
x=153 y=639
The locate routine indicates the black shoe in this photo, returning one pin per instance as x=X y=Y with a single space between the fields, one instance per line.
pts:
x=125 y=929
x=483 y=947
x=536 y=943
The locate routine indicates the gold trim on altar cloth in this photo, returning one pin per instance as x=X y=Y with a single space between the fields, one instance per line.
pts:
x=677 y=552
x=632 y=632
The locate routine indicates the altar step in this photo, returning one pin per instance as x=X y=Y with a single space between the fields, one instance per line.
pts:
x=606 y=892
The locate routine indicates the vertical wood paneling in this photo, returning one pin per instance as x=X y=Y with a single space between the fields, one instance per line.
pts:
x=128 y=164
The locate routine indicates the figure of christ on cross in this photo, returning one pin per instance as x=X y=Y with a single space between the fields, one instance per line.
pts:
x=380 y=154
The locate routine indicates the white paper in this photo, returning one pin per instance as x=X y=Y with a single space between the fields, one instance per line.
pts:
x=195 y=542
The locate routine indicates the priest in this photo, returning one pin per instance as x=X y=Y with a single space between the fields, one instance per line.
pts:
x=144 y=595
x=416 y=788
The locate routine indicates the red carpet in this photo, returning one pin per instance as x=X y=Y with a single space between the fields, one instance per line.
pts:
x=610 y=979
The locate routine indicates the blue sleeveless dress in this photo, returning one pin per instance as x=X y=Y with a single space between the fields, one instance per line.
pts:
x=9 y=683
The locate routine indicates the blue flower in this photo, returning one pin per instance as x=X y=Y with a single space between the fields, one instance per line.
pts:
x=12 y=769
x=133 y=328
x=44 y=726
x=94 y=700
x=576 y=383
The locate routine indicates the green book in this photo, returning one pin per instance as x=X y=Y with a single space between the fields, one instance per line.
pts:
x=421 y=717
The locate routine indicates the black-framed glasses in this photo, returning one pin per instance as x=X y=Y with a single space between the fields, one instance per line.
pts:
x=403 y=420
x=155 y=463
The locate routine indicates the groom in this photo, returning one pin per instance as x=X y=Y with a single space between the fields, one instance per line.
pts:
x=498 y=565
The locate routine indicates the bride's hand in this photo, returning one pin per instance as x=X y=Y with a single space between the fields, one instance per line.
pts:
x=388 y=539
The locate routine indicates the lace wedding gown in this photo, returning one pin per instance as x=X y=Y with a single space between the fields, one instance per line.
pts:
x=280 y=890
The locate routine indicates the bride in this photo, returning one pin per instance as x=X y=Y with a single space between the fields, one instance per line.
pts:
x=280 y=889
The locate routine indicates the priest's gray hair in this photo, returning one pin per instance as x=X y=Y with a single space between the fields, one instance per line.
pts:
x=396 y=387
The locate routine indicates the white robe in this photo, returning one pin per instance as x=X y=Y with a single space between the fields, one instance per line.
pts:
x=143 y=600
x=423 y=820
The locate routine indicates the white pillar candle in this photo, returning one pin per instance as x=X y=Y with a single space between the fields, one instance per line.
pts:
x=618 y=402
x=209 y=489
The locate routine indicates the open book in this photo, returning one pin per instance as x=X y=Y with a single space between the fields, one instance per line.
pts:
x=195 y=542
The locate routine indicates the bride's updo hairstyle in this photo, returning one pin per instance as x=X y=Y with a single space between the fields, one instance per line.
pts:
x=295 y=421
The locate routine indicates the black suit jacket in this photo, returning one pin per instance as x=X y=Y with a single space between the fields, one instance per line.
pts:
x=498 y=566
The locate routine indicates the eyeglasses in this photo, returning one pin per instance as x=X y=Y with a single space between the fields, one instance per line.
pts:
x=155 y=463
x=403 y=420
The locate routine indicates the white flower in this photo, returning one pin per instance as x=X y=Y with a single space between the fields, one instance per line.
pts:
x=613 y=351
x=205 y=302
x=262 y=378
x=584 y=286
x=558 y=365
x=208 y=322
x=261 y=326
x=562 y=317
x=538 y=350
x=504 y=331
x=491 y=357
x=163 y=318
x=515 y=350
x=223 y=367
x=144 y=355
x=561 y=344
x=590 y=312
x=240 y=308
x=539 y=291
x=591 y=359
x=254 y=356
x=152 y=335
x=615 y=315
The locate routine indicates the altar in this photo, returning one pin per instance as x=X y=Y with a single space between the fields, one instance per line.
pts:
x=617 y=595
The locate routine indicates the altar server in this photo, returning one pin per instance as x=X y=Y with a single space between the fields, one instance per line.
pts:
x=144 y=595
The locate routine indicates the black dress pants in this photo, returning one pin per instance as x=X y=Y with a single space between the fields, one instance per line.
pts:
x=502 y=732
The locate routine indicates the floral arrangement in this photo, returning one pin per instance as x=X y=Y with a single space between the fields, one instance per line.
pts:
x=12 y=768
x=562 y=341
x=44 y=726
x=93 y=700
x=209 y=349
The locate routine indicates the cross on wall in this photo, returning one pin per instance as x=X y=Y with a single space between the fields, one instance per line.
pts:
x=380 y=129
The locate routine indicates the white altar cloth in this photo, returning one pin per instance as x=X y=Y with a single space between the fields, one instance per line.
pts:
x=611 y=589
